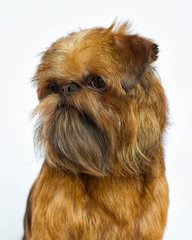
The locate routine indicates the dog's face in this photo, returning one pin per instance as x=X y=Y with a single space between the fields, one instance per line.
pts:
x=101 y=110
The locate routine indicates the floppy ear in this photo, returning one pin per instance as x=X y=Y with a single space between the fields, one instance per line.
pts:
x=135 y=54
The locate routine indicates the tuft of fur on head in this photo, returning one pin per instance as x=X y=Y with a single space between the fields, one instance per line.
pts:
x=115 y=130
x=120 y=28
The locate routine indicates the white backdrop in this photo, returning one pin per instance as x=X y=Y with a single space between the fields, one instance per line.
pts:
x=27 y=28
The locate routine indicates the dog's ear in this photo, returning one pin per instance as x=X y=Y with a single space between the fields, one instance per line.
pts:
x=135 y=54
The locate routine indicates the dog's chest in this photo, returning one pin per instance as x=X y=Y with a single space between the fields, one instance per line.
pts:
x=80 y=208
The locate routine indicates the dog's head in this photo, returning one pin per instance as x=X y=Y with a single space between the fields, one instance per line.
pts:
x=102 y=110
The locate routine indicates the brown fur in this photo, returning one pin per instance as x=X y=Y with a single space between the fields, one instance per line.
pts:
x=103 y=175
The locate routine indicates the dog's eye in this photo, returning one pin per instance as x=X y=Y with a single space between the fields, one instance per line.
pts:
x=96 y=82
x=53 y=88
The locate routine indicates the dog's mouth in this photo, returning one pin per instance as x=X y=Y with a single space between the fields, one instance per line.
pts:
x=84 y=117
x=86 y=120
x=63 y=105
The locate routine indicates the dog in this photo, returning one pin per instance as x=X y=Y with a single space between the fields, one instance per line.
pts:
x=100 y=123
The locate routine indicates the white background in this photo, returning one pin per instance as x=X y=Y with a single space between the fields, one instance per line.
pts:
x=27 y=27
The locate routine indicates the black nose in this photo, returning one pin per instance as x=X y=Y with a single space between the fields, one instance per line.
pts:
x=69 y=88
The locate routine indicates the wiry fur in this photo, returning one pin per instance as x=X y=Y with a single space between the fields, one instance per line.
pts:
x=103 y=175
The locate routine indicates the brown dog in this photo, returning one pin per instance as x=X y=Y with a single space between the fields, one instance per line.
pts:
x=101 y=118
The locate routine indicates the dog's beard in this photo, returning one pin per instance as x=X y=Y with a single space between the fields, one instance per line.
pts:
x=78 y=140
x=72 y=139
